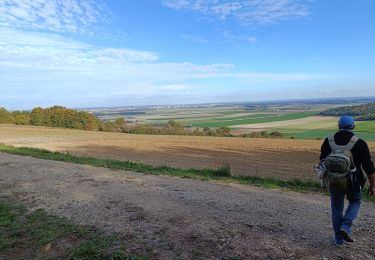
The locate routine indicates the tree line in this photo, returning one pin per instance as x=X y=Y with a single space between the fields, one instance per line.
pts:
x=59 y=116
x=360 y=112
x=172 y=128
x=56 y=116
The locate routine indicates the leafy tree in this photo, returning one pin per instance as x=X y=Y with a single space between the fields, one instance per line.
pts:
x=21 y=118
x=37 y=116
x=121 y=125
x=5 y=116
x=174 y=124
x=223 y=131
x=58 y=116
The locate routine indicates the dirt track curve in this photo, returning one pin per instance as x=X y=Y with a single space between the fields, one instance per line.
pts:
x=182 y=218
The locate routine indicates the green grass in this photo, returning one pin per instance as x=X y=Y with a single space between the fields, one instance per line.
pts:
x=115 y=164
x=304 y=134
x=27 y=234
x=19 y=228
x=221 y=174
x=364 y=129
x=254 y=120
x=365 y=126
x=96 y=247
x=319 y=134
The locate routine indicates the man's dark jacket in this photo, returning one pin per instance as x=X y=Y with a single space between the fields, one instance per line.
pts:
x=361 y=154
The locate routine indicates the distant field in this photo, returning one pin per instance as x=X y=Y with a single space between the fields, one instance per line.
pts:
x=313 y=127
x=365 y=126
x=217 y=120
x=320 y=134
x=303 y=124
x=330 y=123
x=255 y=119
x=322 y=128
x=164 y=115
x=311 y=122
x=317 y=122
x=215 y=117
x=281 y=158
x=188 y=119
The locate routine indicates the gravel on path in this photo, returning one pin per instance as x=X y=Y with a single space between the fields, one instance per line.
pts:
x=169 y=218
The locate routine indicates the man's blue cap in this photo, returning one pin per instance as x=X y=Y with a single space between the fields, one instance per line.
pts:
x=346 y=122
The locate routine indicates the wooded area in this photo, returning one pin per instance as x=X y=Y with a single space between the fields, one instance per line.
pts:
x=56 y=116
x=361 y=112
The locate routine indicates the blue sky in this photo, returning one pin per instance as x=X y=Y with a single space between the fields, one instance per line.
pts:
x=111 y=53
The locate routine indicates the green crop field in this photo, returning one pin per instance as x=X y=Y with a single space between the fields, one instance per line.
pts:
x=255 y=119
x=321 y=134
x=329 y=123
x=365 y=126
x=214 y=119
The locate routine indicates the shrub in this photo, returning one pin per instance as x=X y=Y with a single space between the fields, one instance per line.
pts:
x=223 y=131
x=224 y=171
x=276 y=134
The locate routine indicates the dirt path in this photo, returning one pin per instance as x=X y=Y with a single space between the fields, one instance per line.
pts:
x=173 y=217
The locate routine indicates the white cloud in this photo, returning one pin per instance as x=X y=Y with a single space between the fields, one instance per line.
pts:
x=253 y=77
x=238 y=38
x=44 y=68
x=246 y=12
x=176 y=4
x=33 y=63
x=12 y=37
x=52 y=15
x=39 y=66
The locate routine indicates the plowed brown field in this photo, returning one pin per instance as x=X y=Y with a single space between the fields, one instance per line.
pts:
x=279 y=158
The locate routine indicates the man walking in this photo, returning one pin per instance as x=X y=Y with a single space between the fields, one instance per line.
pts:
x=360 y=157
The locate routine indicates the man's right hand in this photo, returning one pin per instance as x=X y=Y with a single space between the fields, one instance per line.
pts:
x=371 y=191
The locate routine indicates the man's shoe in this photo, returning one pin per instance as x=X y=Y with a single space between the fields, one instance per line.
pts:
x=338 y=242
x=345 y=233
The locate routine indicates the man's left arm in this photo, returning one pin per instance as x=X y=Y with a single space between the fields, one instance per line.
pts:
x=325 y=150
x=368 y=166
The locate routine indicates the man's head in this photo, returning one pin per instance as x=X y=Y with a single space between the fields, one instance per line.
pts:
x=346 y=123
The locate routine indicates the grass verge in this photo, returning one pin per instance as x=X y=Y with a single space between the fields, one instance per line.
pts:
x=38 y=235
x=222 y=174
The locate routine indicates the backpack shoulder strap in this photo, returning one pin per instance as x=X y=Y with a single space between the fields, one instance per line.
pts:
x=349 y=146
x=332 y=144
